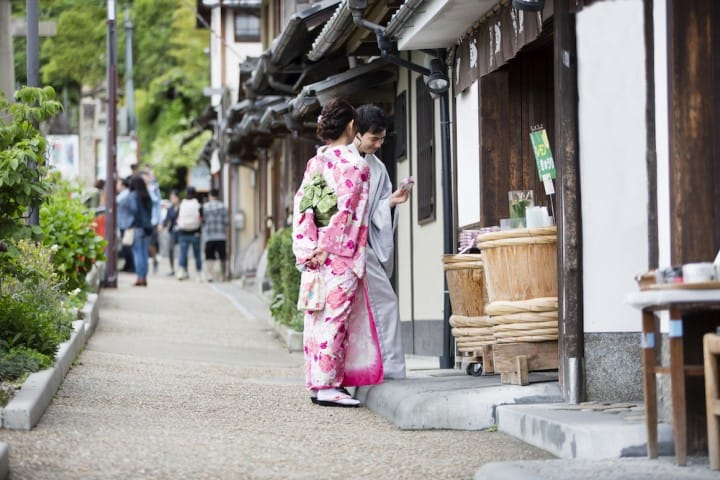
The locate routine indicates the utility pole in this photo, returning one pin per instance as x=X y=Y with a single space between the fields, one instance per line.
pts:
x=7 y=64
x=33 y=70
x=129 y=86
x=110 y=182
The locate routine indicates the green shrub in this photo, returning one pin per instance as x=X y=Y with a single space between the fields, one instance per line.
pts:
x=19 y=361
x=32 y=313
x=33 y=316
x=67 y=226
x=285 y=279
x=23 y=180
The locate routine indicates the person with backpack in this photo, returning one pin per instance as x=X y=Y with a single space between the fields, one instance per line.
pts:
x=215 y=223
x=189 y=222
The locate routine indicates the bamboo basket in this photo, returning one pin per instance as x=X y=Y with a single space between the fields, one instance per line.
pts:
x=466 y=284
x=519 y=264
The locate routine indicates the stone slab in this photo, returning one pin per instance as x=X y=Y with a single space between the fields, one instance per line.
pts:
x=451 y=400
x=591 y=433
x=618 y=469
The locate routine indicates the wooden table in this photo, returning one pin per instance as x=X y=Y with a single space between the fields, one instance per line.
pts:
x=678 y=299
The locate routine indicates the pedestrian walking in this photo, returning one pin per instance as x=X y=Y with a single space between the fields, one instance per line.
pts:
x=124 y=221
x=154 y=191
x=380 y=260
x=141 y=209
x=189 y=222
x=338 y=352
x=215 y=222
x=170 y=226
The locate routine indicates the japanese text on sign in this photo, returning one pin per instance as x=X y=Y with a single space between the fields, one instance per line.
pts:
x=543 y=155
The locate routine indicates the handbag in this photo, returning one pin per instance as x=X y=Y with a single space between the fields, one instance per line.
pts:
x=128 y=237
x=311 y=297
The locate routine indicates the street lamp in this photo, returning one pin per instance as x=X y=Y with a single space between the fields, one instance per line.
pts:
x=529 y=5
x=438 y=81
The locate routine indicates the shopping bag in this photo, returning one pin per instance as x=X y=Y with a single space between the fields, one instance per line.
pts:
x=311 y=297
x=128 y=237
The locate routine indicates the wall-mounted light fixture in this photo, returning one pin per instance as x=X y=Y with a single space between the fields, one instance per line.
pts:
x=529 y=5
x=437 y=77
x=438 y=81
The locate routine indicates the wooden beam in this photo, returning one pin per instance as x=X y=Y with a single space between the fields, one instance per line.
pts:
x=694 y=159
x=570 y=287
x=650 y=141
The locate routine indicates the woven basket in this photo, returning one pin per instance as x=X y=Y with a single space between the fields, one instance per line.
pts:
x=459 y=332
x=463 y=321
x=520 y=264
x=503 y=307
x=466 y=284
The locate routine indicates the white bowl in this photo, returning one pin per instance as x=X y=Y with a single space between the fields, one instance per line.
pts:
x=698 y=272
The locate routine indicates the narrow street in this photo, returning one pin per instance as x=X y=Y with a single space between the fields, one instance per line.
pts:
x=177 y=383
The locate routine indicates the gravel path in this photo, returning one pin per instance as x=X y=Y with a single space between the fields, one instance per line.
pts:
x=177 y=384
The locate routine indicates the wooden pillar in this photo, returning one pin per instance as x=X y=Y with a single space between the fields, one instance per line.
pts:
x=693 y=106
x=650 y=141
x=570 y=287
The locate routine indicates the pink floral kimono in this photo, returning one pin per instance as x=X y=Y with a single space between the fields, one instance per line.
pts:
x=340 y=342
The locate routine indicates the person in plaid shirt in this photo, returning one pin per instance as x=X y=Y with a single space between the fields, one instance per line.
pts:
x=215 y=224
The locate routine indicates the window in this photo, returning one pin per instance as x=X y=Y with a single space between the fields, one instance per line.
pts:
x=425 y=153
x=247 y=25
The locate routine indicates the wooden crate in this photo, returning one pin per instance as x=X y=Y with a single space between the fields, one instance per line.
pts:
x=513 y=361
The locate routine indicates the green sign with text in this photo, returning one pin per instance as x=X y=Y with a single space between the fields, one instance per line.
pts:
x=543 y=155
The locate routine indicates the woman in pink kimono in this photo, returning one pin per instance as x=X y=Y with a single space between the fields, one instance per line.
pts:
x=340 y=341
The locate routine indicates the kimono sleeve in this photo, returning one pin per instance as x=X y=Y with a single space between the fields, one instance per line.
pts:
x=346 y=230
x=304 y=231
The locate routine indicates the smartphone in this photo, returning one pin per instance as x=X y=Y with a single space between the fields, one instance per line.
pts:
x=407 y=184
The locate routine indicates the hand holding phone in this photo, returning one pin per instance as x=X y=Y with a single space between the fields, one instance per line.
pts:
x=407 y=184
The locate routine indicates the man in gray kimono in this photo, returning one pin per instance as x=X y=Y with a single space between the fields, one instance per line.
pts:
x=372 y=126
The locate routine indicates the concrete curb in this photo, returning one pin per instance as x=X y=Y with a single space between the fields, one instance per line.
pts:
x=24 y=410
x=291 y=338
x=576 y=434
x=4 y=461
x=457 y=401
x=90 y=313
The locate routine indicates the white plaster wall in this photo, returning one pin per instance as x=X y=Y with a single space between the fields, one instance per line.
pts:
x=428 y=238
x=404 y=247
x=468 y=156
x=215 y=52
x=235 y=54
x=420 y=247
x=611 y=83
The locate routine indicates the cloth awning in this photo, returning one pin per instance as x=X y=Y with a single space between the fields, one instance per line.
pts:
x=493 y=42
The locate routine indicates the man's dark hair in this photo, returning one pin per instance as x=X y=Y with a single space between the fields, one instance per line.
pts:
x=214 y=192
x=370 y=118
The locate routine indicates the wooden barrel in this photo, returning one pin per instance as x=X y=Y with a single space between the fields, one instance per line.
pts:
x=520 y=264
x=466 y=284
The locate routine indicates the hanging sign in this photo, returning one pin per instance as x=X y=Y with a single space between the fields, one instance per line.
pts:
x=543 y=155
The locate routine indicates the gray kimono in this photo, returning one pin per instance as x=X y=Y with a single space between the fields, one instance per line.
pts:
x=379 y=267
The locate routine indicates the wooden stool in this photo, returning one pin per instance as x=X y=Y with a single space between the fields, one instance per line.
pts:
x=711 y=349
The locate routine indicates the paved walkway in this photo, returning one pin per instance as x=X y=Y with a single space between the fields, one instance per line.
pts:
x=177 y=384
